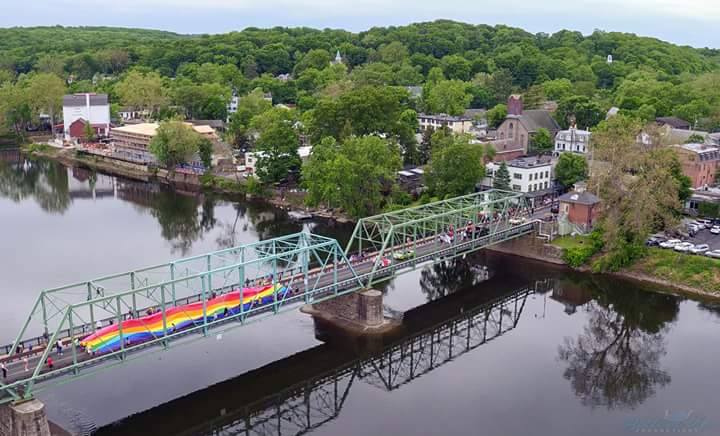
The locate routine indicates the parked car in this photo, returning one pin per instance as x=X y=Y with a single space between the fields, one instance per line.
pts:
x=706 y=223
x=683 y=247
x=654 y=241
x=715 y=254
x=715 y=230
x=699 y=224
x=670 y=243
x=700 y=249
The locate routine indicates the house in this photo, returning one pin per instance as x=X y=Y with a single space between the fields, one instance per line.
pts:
x=416 y=92
x=516 y=132
x=531 y=175
x=456 y=124
x=573 y=140
x=217 y=125
x=674 y=122
x=81 y=109
x=232 y=106
x=411 y=179
x=253 y=157
x=131 y=141
x=700 y=163
x=579 y=209
x=612 y=112
x=129 y=113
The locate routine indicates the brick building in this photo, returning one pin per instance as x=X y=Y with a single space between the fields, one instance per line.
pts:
x=580 y=208
x=699 y=162
x=515 y=133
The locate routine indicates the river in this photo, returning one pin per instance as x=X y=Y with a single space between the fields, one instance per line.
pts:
x=578 y=354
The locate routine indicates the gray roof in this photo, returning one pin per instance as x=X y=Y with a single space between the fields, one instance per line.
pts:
x=579 y=198
x=75 y=100
x=536 y=119
x=675 y=122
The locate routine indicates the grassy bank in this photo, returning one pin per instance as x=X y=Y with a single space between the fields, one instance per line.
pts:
x=680 y=268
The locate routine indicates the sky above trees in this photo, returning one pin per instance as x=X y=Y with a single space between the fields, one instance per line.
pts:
x=677 y=21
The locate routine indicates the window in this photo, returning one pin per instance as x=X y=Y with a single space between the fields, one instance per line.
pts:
x=517 y=176
x=546 y=185
x=547 y=174
x=510 y=131
x=515 y=187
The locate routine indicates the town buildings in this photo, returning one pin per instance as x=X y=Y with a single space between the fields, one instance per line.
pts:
x=673 y=122
x=457 y=124
x=515 y=133
x=573 y=140
x=82 y=109
x=700 y=163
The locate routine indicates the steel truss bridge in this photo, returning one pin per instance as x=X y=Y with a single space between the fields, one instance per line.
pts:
x=319 y=399
x=313 y=267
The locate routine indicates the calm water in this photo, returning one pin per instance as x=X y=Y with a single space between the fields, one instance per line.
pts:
x=576 y=354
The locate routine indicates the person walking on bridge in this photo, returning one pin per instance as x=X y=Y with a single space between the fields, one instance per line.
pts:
x=4 y=370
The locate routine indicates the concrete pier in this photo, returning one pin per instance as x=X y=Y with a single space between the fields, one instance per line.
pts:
x=26 y=418
x=359 y=312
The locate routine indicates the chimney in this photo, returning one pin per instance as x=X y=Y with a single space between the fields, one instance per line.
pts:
x=580 y=187
x=515 y=105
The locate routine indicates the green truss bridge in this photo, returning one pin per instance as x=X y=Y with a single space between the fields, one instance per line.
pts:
x=312 y=268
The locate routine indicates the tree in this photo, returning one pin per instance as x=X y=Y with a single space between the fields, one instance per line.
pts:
x=89 y=132
x=448 y=97
x=496 y=115
x=579 y=110
x=425 y=146
x=174 y=143
x=501 y=180
x=393 y=53
x=570 y=169
x=45 y=92
x=249 y=107
x=277 y=145
x=456 y=67
x=316 y=58
x=205 y=150
x=142 y=91
x=351 y=175
x=455 y=168
x=15 y=111
x=638 y=191
x=695 y=138
x=542 y=141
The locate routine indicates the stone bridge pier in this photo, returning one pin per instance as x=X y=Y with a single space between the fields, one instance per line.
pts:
x=26 y=418
x=357 y=313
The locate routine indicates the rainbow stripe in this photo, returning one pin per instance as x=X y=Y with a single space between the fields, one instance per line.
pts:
x=150 y=327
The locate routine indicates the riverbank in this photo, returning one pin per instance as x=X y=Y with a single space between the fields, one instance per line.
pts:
x=292 y=201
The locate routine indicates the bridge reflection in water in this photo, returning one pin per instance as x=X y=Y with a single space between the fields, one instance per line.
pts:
x=304 y=391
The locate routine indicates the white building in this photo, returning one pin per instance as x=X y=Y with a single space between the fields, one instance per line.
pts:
x=530 y=175
x=232 y=105
x=81 y=109
x=455 y=124
x=252 y=158
x=574 y=140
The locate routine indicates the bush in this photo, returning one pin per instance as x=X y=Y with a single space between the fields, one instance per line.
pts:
x=578 y=255
x=37 y=148
x=255 y=187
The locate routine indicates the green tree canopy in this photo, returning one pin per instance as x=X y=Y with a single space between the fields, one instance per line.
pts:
x=570 y=169
x=142 y=91
x=542 y=141
x=351 y=175
x=448 y=97
x=277 y=143
x=174 y=143
x=496 y=115
x=502 y=178
x=455 y=168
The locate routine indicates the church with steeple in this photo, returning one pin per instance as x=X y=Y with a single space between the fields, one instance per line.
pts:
x=338 y=59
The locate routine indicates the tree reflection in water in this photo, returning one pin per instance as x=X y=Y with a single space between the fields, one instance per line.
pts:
x=44 y=181
x=444 y=278
x=615 y=361
x=178 y=217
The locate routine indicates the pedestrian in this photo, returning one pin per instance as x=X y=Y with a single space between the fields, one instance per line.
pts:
x=59 y=347
x=25 y=362
x=98 y=324
x=4 y=369
x=50 y=362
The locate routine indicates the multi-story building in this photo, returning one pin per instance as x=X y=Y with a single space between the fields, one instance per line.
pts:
x=573 y=140
x=532 y=176
x=700 y=162
x=81 y=109
x=132 y=141
x=457 y=125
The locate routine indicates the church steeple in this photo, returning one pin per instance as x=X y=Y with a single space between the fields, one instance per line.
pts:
x=338 y=58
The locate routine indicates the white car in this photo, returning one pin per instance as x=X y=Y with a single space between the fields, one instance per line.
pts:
x=516 y=221
x=715 y=230
x=700 y=249
x=683 y=247
x=714 y=253
x=699 y=224
x=670 y=243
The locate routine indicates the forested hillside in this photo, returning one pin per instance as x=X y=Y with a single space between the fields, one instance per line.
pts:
x=459 y=65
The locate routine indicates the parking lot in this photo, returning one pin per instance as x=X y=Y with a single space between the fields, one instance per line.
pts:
x=701 y=237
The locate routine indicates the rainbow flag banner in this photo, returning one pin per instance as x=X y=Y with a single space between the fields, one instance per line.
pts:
x=150 y=327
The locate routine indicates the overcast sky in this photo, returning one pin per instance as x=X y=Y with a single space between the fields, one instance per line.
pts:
x=692 y=22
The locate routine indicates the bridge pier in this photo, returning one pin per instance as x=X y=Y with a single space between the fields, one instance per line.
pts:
x=26 y=418
x=357 y=313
